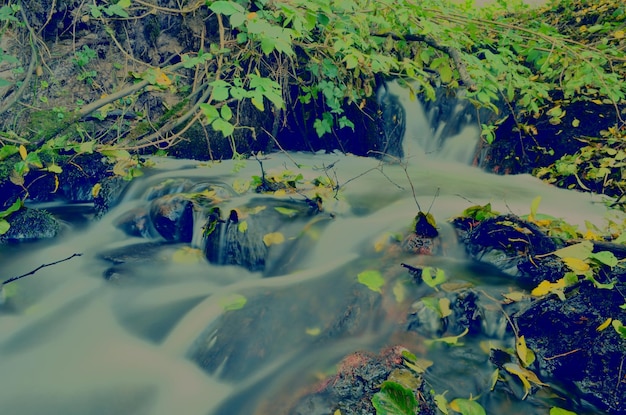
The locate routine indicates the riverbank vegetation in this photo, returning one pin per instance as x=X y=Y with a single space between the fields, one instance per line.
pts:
x=89 y=89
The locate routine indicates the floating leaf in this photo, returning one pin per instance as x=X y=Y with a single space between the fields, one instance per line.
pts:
x=394 y=399
x=493 y=379
x=274 y=238
x=467 y=407
x=241 y=186
x=372 y=279
x=560 y=411
x=433 y=280
x=188 y=255
x=525 y=375
x=242 y=226
x=313 y=331
x=451 y=340
x=286 y=211
x=233 y=302
x=399 y=291
x=441 y=402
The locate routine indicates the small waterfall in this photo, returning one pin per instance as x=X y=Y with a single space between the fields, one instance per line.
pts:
x=445 y=129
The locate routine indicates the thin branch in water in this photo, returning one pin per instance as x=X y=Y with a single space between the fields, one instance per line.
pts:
x=40 y=267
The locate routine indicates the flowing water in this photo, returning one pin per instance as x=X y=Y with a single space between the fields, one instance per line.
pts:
x=72 y=342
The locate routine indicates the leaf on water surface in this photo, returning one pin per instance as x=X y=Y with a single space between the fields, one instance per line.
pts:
x=514 y=296
x=188 y=255
x=372 y=279
x=313 y=331
x=431 y=280
x=441 y=402
x=233 y=302
x=241 y=186
x=467 y=407
x=451 y=340
x=525 y=375
x=242 y=226
x=286 y=211
x=555 y=410
x=399 y=291
x=394 y=399
x=274 y=238
x=494 y=379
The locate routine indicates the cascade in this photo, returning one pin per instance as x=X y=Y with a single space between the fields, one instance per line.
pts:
x=445 y=129
x=175 y=332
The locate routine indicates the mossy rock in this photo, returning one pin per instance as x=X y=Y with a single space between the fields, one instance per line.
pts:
x=29 y=225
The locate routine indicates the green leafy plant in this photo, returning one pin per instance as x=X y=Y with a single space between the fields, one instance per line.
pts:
x=4 y=224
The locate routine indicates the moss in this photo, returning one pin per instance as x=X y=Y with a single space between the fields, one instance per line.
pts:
x=30 y=224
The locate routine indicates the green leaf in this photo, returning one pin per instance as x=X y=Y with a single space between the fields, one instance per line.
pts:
x=605 y=257
x=233 y=302
x=226 y=8
x=533 y=208
x=431 y=280
x=242 y=226
x=450 y=340
x=210 y=112
x=224 y=126
x=581 y=250
x=4 y=226
x=467 y=407
x=7 y=151
x=286 y=211
x=226 y=113
x=17 y=205
x=372 y=279
x=395 y=399
x=619 y=328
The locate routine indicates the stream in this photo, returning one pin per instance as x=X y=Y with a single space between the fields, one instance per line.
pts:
x=174 y=333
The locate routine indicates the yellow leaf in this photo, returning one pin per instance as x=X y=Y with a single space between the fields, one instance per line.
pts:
x=23 y=152
x=187 y=255
x=399 y=291
x=162 y=79
x=514 y=296
x=313 y=331
x=604 y=325
x=546 y=287
x=526 y=356
x=382 y=242
x=56 y=183
x=619 y=34
x=274 y=238
x=592 y=236
x=242 y=226
x=444 y=307
x=577 y=265
x=95 y=190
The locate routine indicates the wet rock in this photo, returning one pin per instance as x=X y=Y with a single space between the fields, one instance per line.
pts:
x=507 y=241
x=465 y=313
x=30 y=224
x=255 y=233
x=359 y=377
x=111 y=191
x=136 y=222
x=172 y=217
x=570 y=349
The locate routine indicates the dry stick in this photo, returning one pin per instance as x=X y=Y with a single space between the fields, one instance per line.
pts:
x=40 y=267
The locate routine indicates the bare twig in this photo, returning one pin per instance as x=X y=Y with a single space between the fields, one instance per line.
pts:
x=40 y=267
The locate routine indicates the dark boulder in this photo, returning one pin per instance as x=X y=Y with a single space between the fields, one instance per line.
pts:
x=571 y=348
